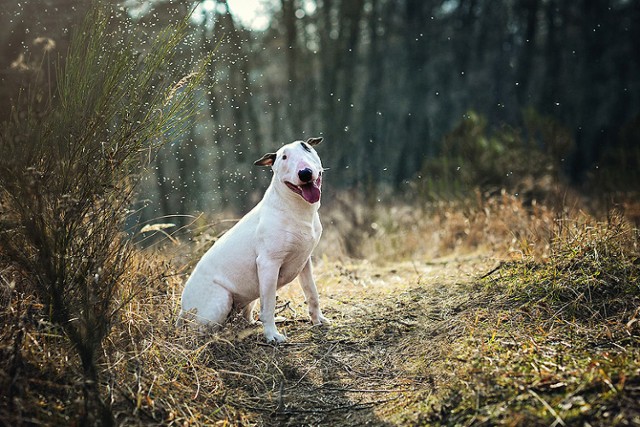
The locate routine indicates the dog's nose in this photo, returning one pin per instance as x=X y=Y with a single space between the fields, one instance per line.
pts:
x=305 y=175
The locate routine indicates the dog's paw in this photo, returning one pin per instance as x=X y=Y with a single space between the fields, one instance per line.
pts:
x=274 y=337
x=320 y=320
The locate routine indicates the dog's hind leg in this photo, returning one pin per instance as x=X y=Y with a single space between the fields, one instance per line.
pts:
x=212 y=306
x=247 y=312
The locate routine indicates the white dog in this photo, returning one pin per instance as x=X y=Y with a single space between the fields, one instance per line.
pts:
x=266 y=249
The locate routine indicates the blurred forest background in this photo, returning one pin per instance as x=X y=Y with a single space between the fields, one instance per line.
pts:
x=413 y=97
x=490 y=131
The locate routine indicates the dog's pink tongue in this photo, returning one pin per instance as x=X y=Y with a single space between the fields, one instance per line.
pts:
x=310 y=192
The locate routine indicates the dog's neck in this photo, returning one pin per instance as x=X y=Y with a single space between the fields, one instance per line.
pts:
x=279 y=197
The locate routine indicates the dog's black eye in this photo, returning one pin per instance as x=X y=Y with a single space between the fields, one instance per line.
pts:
x=284 y=157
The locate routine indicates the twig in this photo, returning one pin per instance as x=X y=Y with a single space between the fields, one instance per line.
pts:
x=242 y=374
x=313 y=366
x=493 y=270
x=280 y=398
x=548 y=408
x=354 y=406
x=286 y=305
x=366 y=390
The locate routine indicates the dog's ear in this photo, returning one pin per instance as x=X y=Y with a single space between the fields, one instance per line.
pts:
x=266 y=160
x=314 y=141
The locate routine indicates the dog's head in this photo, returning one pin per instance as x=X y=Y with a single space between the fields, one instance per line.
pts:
x=298 y=166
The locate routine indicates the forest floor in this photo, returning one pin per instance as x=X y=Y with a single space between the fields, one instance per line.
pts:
x=489 y=335
x=422 y=343
x=385 y=354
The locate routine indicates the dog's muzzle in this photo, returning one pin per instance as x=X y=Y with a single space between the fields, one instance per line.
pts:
x=310 y=190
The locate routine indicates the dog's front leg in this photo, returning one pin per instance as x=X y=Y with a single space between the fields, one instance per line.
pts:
x=268 y=270
x=311 y=294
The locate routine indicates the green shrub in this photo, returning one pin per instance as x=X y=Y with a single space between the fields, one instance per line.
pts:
x=473 y=157
x=618 y=170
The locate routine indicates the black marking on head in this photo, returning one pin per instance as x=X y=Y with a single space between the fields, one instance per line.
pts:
x=305 y=146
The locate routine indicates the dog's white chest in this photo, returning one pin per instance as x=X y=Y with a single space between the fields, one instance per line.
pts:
x=298 y=246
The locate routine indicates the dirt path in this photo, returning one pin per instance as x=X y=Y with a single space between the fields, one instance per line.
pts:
x=364 y=369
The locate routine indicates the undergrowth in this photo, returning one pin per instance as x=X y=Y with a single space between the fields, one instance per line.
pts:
x=501 y=224
x=593 y=270
x=560 y=342
x=545 y=337
x=67 y=175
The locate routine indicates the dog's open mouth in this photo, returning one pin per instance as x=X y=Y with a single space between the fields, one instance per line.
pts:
x=309 y=191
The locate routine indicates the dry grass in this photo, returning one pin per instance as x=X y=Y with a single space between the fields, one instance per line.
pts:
x=66 y=186
x=322 y=375
x=527 y=331
x=554 y=342
x=503 y=225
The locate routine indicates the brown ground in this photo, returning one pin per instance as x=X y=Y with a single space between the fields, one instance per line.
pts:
x=463 y=340
x=360 y=370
